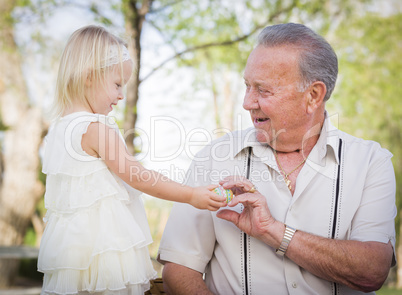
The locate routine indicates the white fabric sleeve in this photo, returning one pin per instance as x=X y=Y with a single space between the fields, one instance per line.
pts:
x=378 y=201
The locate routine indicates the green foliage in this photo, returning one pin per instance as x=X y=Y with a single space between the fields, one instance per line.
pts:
x=215 y=37
x=202 y=25
x=388 y=291
x=24 y=2
x=98 y=15
x=370 y=63
x=370 y=79
x=6 y=17
x=3 y=127
x=369 y=88
x=30 y=237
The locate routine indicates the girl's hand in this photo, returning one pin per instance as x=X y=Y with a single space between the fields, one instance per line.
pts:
x=203 y=198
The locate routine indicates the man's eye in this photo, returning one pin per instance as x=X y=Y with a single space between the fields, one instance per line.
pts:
x=118 y=85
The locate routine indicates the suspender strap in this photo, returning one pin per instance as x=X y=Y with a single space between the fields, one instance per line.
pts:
x=337 y=193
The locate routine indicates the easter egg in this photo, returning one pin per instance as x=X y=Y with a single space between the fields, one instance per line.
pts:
x=224 y=192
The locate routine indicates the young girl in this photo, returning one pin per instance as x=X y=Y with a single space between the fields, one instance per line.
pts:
x=97 y=233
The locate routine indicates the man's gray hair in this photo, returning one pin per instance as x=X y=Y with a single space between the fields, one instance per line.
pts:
x=317 y=62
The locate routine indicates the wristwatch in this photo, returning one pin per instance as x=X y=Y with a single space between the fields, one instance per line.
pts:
x=287 y=237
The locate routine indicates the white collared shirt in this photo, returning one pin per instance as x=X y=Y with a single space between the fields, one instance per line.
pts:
x=345 y=190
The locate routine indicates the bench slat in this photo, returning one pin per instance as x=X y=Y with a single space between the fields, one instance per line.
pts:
x=27 y=291
x=18 y=252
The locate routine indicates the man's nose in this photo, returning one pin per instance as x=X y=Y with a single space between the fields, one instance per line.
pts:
x=250 y=100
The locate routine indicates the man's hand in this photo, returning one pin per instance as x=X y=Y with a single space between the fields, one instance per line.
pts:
x=256 y=219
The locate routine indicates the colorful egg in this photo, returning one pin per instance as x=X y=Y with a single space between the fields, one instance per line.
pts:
x=224 y=192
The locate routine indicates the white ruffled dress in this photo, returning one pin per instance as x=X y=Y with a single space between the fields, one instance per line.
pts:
x=97 y=231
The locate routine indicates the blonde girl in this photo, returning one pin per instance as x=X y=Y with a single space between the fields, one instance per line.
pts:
x=97 y=233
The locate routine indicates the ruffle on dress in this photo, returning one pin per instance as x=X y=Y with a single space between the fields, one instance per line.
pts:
x=110 y=273
x=66 y=194
x=97 y=231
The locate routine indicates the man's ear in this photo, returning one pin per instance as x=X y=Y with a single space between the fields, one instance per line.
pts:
x=315 y=96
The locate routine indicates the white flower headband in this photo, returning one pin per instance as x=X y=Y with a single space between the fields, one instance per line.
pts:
x=114 y=57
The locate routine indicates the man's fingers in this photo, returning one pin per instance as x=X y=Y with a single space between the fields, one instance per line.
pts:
x=245 y=199
x=228 y=215
x=239 y=185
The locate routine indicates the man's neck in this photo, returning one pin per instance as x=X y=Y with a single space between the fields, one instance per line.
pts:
x=300 y=143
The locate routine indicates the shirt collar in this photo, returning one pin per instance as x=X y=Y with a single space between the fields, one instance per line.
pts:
x=328 y=138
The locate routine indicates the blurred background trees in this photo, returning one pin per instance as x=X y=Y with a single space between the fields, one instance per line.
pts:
x=199 y=48
x=22 y=132
x=369 y=89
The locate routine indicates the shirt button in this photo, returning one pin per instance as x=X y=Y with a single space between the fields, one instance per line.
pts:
x=294 y=285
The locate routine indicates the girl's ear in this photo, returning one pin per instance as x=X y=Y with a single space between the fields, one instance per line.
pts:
x=88 y=81
x=316 y=94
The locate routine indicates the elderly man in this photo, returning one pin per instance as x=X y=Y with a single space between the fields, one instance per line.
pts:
x=314 y=208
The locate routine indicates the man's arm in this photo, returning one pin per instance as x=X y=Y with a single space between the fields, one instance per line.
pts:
x=178 y=279
x=362 y=266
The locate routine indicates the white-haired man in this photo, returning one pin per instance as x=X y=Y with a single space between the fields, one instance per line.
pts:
x=314 y=208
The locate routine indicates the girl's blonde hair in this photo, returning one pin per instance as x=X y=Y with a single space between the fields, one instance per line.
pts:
x=86 y=56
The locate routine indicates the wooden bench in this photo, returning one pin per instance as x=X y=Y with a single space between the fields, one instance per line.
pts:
x=19 y=252
x=25 y=291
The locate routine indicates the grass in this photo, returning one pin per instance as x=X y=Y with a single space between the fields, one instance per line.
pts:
x=157 y=212
x=388 y=291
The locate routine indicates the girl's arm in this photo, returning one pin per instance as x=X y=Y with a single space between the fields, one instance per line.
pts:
x=104 y=142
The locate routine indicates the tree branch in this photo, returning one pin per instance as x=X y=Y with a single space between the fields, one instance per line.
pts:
x=203 y=46
x=166 y=6
x=223 y=43
x=145 y=7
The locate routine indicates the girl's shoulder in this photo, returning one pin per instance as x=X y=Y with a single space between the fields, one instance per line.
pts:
x=70 y=128
x=86 y=117
x=62 y=147
x=74 y=125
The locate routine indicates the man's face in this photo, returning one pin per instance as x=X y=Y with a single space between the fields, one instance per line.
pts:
x=274 y=96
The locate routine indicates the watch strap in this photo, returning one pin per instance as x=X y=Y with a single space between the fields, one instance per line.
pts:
x=287 y=237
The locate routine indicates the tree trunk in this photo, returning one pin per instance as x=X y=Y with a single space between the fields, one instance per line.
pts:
x=224 y=111
x=20 y=188
x=130 y=113
x=229 y=100
x=135 y=17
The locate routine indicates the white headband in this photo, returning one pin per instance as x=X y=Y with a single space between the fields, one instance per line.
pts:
x=114 y=56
